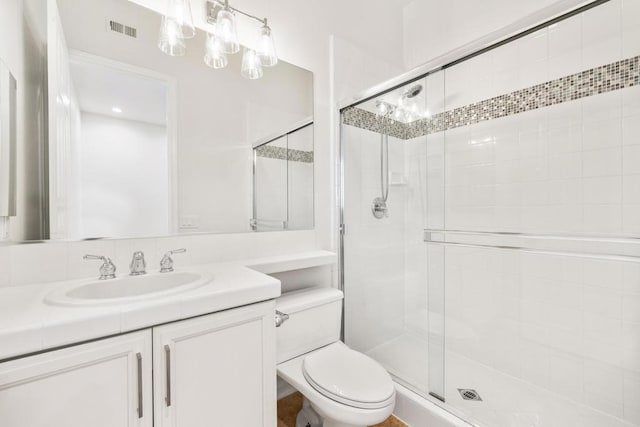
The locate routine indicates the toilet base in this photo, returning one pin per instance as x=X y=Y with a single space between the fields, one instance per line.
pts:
x=312 y=415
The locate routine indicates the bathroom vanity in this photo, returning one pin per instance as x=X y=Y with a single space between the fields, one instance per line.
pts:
x=202 y=356
x=187 y=373
x=215 y=367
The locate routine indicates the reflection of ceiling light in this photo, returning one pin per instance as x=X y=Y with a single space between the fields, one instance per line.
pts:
x=116 y=110
x=177 y=25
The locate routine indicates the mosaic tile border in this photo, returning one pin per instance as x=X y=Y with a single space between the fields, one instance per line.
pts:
x=367 y=120
x=282 y=153
x=614 y=76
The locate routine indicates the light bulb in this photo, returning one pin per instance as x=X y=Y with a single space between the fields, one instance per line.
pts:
x=180 y=12
x=171 y=40
x=266 y=47
x=251 y=65
x=214 y=56
x=226 y=30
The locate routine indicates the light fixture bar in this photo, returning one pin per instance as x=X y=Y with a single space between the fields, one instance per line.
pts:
x=213 y=6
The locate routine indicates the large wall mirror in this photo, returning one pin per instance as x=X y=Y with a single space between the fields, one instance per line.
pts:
x=145 y=144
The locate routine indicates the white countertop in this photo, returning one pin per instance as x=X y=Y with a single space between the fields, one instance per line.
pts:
x=28 y=324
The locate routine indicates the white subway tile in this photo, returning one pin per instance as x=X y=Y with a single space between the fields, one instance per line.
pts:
x=602 y=134
x=604 y=106
x=603 y=162
x=631 y=219
x=630 y=28
x=631 y=101
x=603 y=219
x=603 y=301
x=601 y=32
x=601 y=379
x=603 y=190
x=604 y=274
x=631 y=189
x=631 y=130
x=534 y=47
x=631 y=277
x=566 y=375
x=631 y=308
x=631 y=159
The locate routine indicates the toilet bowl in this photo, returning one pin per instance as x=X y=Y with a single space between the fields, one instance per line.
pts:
x=345 y=387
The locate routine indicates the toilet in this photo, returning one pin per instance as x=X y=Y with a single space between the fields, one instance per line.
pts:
x=344 y=387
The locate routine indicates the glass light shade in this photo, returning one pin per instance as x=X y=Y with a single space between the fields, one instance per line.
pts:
x=171 y=41
x=267 y=48
x=251 y=65
x=227 y=31
x=180 y=12
x=214 y=57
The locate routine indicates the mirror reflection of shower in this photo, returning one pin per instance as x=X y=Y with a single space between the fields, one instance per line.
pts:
x=400 y=112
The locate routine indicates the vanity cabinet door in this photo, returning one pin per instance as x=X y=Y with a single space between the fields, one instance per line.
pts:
x=106 y=383
x=217 y=370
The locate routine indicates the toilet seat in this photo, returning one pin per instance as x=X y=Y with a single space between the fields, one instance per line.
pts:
x=348 y=377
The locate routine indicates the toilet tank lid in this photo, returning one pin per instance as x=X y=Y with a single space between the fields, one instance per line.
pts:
x=291 y=302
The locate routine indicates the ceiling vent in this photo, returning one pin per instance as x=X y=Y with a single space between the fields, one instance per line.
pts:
x=120 y=28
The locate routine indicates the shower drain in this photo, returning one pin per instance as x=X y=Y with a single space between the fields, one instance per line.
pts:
x=469 y=394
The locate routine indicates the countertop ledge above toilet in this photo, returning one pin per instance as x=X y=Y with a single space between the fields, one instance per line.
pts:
x=28 y=324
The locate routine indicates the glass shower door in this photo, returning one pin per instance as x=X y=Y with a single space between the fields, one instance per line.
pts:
x=392 y=312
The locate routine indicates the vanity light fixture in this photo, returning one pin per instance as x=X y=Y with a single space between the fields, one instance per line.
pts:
x=222 y=39
x=116 y=110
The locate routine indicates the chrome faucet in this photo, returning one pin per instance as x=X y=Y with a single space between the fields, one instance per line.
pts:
x=138 y=265
x=166 y=263
x=107 y=269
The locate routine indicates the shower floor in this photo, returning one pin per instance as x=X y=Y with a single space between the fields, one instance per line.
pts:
x=507 y=401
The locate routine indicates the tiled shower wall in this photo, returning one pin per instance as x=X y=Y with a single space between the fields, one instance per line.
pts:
x=568 y=324
x=374 y=249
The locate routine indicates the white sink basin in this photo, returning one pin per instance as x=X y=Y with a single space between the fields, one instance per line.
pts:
x=126 y=289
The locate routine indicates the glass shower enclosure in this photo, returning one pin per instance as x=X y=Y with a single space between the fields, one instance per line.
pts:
x=491 y=212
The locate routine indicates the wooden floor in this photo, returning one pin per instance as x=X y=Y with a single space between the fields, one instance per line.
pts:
x=289 y=407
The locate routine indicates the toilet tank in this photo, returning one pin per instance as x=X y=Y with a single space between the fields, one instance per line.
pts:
x=315 y=318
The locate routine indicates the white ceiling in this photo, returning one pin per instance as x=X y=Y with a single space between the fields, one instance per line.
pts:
x=100 y=88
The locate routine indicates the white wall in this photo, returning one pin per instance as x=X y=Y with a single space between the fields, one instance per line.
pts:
x=22 y=48
x=123 y=179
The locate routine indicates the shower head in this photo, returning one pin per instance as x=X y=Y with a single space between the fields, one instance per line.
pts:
x=384 y=108
x=412 y=92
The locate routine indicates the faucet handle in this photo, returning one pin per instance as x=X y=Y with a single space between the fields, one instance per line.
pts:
x=107 y=269
x=166 y=263
x=138 y=265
